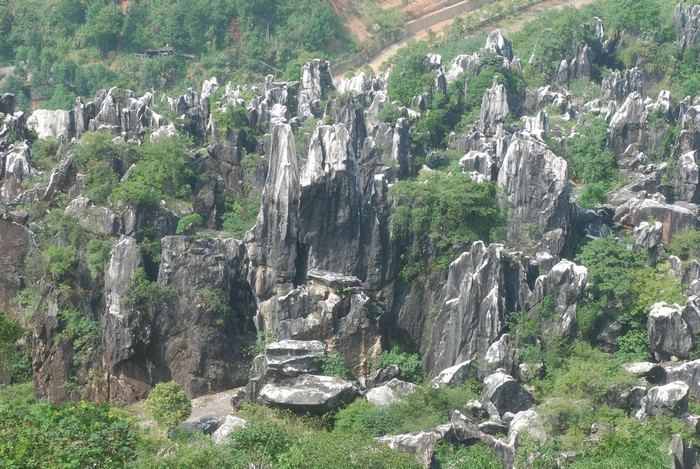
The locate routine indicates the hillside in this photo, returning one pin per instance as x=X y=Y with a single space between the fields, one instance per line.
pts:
x=485 y=256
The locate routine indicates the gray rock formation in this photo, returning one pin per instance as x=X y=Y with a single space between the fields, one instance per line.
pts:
x=648 y=236
x=16 y=170
x=628 y=123
x=16 y=242
x=501 y=354
x=682 y=456
x=193 y=112
x=496 y=43
x=578 y=67
x=506 y=393
x=421 y=444
x=536 y=182
x=616 y=87
x=230 y=424
x=393 y=391
x=669 y=335
x=494 y=108
x=671 y=398
x=672 y=217
x=688 y=372
x=687 y=21
x=479 y=165
x=316 y=82
x=688 y=178
x=203 y=311
x=484 y=285
x=309 y=393
x=454 y=375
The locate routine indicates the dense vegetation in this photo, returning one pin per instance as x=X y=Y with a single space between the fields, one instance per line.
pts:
x=66 y=48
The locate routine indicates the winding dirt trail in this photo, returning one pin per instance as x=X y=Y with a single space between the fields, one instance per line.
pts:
x=507 y=26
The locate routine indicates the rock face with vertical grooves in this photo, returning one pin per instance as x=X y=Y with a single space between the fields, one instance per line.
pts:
x=197 y=332
x=535 y=182
x=316 y=82
x=494 y=108
x=483 y=286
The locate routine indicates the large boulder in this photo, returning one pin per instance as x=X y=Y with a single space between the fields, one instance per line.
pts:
x=688 y=372
x=393 y=391
x=669 y=335
x=671 y=398
x=309 y=393
x=506 y=393
x=421 y=444
x=673 y=217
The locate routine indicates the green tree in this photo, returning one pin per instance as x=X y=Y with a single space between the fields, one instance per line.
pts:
x=102 y=25
x=168 y=405
x=410 y=75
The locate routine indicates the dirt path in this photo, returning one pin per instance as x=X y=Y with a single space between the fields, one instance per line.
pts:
x=508 y=26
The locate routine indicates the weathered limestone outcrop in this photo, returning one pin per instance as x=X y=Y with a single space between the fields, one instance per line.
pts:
x=204 y=313
x=673 y=217
x=484 y=285
x=316 y=83
x=536 y=182
x=494 y=108
x=51 y=124
x=16 y=170
x=688 y=372
x=506 y=393
x=648 y=236
x=617 y=87
x=496 y=43
x=393 y=391
x=578 y=67
x=309 y=393
x=16 y=241
x=193 y=110
x=687 y=21
x=671 y=398
x=628 y=123
x=669 y=335
x=688 y=178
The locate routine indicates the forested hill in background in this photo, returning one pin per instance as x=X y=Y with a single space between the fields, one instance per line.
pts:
x=64 y=48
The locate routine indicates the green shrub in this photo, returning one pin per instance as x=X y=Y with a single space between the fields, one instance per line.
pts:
x=98 y=252
x=593 y=194
x=477 y=455
x=408 y=363
x=76 y=434
x=58 y=261
x=83 y=332
x=410 y=75
x=445 y=211
x=241 y=215
x=168 y=405
x=685 y=243
x=586 y=154
x=10 y=332
x=189 y=223
x=146 y=296
x=333 y=364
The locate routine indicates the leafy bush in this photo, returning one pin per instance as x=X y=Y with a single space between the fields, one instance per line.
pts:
x=593 y=194
x=446 y=212
x=168 y=405
x=685 y=243
x=146 y=296
x=98 y=252
x=410 y=75
x=241 y=215
x=408 y=363
x=83 y=332
x=10 y=332
x=189 y=223
x=589 y=161
x=333 y=364
x=76 y=434
x=58 y=261
x=477 y=455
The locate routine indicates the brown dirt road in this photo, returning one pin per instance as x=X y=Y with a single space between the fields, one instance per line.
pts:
x=507 y=26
